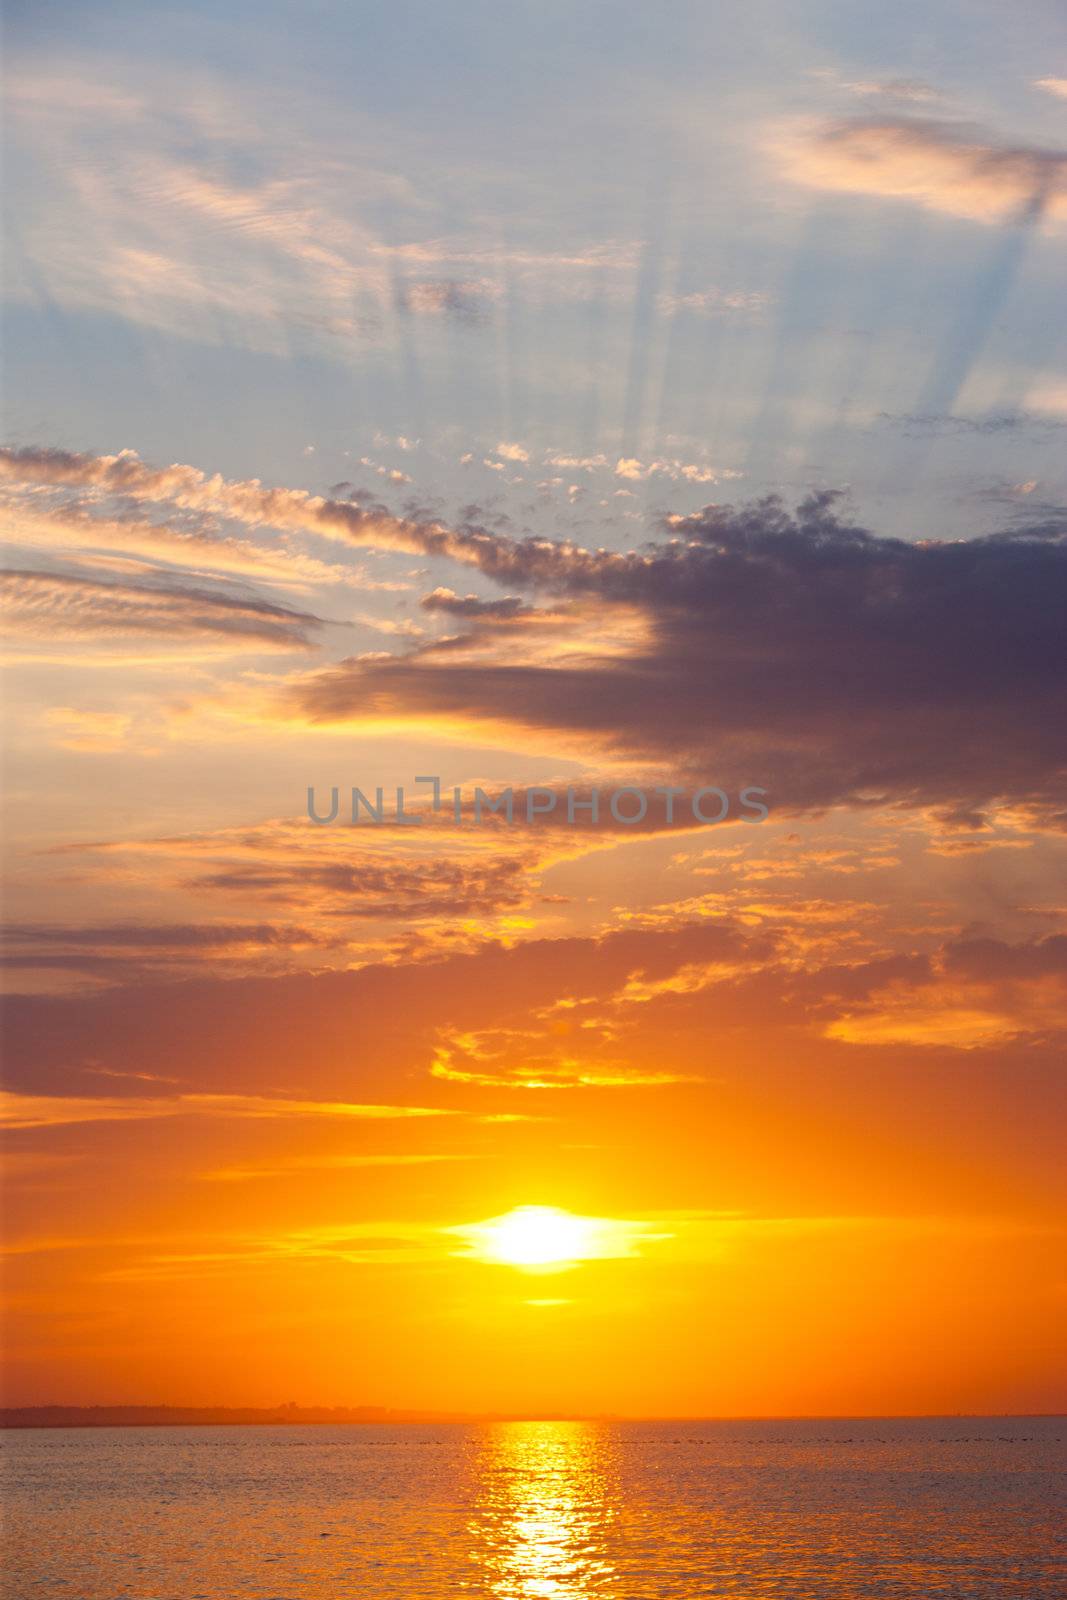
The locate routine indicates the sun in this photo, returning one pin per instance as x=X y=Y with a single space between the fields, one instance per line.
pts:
x=539 y=1236
x=546 y=1239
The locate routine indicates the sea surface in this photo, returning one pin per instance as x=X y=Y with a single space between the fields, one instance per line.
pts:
x=842 y=1510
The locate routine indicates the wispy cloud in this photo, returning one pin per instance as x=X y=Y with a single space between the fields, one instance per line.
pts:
x=936 y=165
x=465 y=300
x=716 y=302
x=98 y=731
x=303 y=1166
x=69 y=520
x=46 y=1111
x=71 y=606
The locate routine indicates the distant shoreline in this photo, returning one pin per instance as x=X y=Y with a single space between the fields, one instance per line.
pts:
x=21 y=1417
x=248 y=1417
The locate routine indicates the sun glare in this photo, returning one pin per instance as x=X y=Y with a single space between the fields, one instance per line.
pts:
x=546 y=1238
x=539 y=1236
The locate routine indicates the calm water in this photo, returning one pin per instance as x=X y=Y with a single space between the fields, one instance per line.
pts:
x=541 y=1511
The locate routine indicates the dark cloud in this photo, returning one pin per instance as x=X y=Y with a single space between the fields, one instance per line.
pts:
x=151 y=936
x=127 y=952
x=993 y=960
x=922 y=424
x=412 y=891
x=796 y=651
x=640 y=1009
x=338 y=1032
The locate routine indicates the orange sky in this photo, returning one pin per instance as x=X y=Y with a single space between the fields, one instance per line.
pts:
x=836 y=1150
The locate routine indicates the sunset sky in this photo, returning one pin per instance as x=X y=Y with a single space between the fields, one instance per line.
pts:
x=580 y=395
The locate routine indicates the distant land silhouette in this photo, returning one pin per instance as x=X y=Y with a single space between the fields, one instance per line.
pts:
x=238 y=1416
x=386 y=1416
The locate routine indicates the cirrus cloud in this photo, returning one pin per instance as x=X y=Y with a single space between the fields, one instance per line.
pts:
x=71 y=606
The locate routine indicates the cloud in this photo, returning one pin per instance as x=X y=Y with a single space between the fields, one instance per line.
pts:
x=63 y=519
x=402 y=628
x=974 y=993
x=716 y=302
x=181 y=215
x=996 y=960
x=303 y=1166
x=49 y=1111
x=399 y=442
x=504 y=1059
x=292 y=895
x=249 y=502
x=128 y=952
x=518 y=1014
x=512 y=452
x=907 y=89
x=610 y=255
x=69 y=606
x=687 y=471
x=404 y=891
x=933 y=424
x=151 y=936
x=470 y=605
x=95 y=731
x=1049 y=396
x=244 y=221
x=698 y=1001
x=391 y=474
x=464 y=300
x=799 y=652
x=1056 y=86
x=934 y=164
x=575 y=463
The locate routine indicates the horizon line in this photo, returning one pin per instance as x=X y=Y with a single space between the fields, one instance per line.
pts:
x=291 y=1414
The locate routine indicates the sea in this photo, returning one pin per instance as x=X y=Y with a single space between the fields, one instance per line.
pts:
x=965 y=1507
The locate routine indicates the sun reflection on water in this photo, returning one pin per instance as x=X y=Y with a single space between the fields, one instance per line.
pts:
x=544 y=1509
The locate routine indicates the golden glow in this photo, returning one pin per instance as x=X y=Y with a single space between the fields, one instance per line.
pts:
x=544 y=1238
x=540 y=1532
